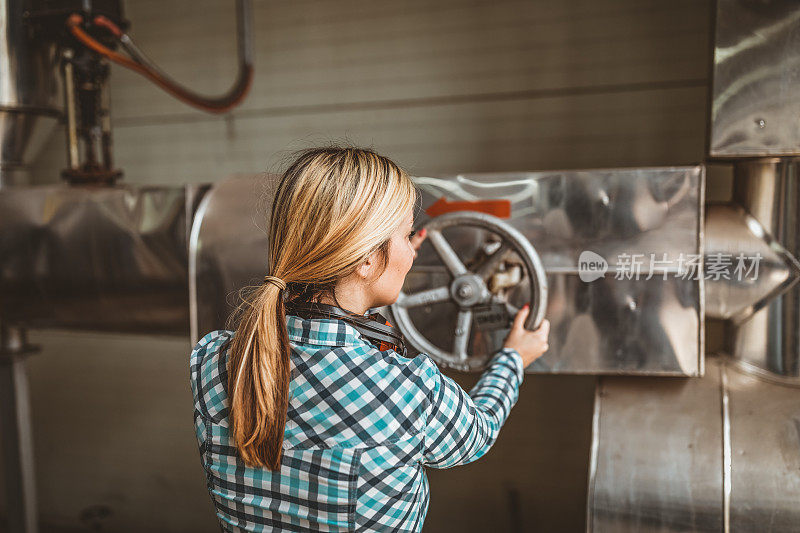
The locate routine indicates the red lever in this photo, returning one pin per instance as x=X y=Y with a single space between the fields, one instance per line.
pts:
x=498 y=208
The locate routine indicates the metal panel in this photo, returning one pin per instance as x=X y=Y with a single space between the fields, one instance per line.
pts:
x=756 y=70
x=609 y=325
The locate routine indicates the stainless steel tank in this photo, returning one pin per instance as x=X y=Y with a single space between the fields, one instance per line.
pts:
x=30 y=91
x=111 y=259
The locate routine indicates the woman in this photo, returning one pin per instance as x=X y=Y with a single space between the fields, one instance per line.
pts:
x=304 y=424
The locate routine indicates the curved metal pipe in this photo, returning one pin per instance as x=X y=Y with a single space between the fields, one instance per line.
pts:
x=730 y=231
x=147 y=68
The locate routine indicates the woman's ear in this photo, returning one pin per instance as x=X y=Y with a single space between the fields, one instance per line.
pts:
x=367 y=266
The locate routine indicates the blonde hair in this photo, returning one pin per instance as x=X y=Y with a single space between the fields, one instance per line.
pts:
x=333 y=207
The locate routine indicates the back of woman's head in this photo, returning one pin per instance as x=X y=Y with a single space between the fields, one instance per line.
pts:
x=332 y=209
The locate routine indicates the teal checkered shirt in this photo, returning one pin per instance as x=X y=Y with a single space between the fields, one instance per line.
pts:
x=361 y=426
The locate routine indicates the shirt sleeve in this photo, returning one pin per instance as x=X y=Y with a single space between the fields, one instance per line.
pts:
x=462 y=427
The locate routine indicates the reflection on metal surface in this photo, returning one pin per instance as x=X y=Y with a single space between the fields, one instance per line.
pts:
x=613 y=326
x=768 y=340
x=667 y=458
x=29 y=91
x=658 y=462
x=756 y=67
x=765 y=454
x=730 y=231
x=228 y=248
x=102 y=259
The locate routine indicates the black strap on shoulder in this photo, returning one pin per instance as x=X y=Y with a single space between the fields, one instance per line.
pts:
x=374 y=327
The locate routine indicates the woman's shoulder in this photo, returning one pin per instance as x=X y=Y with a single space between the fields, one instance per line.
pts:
x=208 y=373
x=211 y=340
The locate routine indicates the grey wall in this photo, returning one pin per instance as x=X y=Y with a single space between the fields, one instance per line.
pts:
x=442 y=87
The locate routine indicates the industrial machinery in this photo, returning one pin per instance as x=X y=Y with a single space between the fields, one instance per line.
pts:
x=722 y=453
x=52 y=50
x=625 y=263
x=54 y=66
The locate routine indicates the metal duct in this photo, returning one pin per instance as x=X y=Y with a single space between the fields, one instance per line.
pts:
x=755 y=103
x=769 y=341
x=730 y=232
x=721 y=453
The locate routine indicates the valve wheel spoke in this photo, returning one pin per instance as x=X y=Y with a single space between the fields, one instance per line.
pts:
x=429 y=296
x=446 y=253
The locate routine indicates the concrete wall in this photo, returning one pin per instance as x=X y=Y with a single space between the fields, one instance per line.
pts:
x=441 y=87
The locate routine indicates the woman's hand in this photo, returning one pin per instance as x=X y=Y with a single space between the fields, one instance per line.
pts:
x=416 y=240
x=530 y=344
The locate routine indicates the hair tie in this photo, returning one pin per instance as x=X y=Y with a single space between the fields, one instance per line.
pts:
x=275 y=281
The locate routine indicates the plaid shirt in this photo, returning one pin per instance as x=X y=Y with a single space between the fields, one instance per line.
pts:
x=360 y=427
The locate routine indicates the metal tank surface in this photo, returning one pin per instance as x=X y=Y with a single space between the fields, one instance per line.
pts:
x=30 y=91
x=647 y=322
x=721 y=453
x=754 y=100
x=96 y=258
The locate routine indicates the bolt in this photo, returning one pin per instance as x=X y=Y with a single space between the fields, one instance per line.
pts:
x=761 y=123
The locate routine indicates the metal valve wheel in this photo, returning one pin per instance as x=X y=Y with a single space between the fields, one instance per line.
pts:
x=474 y=290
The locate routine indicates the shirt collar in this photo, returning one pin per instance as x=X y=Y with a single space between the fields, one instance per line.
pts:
x=322 y=331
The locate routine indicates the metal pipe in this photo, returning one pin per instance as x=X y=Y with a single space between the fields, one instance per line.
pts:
x=28 y=93
x=70 y=105
x=142 y=64
x=733 y=233
x=769 y=341
x=15 y=427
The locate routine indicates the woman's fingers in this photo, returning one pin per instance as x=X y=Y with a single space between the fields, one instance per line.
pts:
x=521 y=316
x=544 y=328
